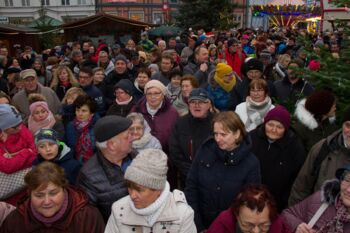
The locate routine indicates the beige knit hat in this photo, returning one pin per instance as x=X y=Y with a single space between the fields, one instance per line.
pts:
x=148 y=169
x=156 y=84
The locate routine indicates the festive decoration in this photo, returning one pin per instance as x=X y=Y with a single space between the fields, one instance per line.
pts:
x=285 y=15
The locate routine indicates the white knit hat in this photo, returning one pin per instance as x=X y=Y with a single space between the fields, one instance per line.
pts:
x=148 y=169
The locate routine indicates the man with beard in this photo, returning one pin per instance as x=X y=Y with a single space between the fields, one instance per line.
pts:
x=292 y=87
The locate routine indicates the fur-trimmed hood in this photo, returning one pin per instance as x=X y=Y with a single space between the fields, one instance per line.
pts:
x=304 y=116
x=330 y=191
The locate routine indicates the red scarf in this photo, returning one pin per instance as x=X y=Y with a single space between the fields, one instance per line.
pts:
x=83 y=148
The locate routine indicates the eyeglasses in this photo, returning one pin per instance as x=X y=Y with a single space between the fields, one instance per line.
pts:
x=247 y=226
x=29 y=79
x=198 y=102
x=257 y=90
x=155 y=94
x=135 y=129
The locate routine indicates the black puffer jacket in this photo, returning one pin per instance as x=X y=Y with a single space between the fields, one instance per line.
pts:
x=280 y=162
x=103 y=182
x=187 y=136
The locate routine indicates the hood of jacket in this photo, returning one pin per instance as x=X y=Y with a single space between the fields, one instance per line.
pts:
x=304 y=116
x=330 y=191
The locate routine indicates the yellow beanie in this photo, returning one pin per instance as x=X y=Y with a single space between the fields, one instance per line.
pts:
x=223 y=69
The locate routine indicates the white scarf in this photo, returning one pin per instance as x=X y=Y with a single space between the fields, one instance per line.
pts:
x=152 y=212
x=152 y=111
x=279 y=70
x=123 y=102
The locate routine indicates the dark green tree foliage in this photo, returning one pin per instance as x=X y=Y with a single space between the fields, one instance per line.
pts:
x=206 y=14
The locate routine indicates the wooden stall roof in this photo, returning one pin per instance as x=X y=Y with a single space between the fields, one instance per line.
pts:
x=12 y=29
x=101 y=16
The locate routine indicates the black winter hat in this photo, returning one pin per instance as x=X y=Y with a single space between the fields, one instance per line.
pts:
x=109 y=126
x=319 y=103
x=252 y=64
x=126 y=85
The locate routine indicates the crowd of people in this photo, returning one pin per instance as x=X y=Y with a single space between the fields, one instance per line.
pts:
x=184 y=135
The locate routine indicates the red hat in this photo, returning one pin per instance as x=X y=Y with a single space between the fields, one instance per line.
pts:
x=280 y=114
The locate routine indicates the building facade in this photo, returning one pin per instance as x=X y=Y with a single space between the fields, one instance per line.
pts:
x=157 y=11
x=25 y=11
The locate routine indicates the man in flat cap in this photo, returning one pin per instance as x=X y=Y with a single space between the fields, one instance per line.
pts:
x=32 y=85
x=102 y=176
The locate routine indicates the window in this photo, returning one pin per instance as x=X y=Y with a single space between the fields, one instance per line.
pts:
x=65 y=2
x=25 y=2
x=8 y=2
x=45 y=2
x=137 y=15
x=81 y=2
x=157 y=17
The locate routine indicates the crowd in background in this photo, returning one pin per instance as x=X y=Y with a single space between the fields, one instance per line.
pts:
x=120 y=129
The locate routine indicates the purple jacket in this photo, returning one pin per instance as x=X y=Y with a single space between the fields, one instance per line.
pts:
x=161 y=123
x=226 y=223
x=306 y=209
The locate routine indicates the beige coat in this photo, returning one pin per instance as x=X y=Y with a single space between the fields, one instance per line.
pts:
x=176 y=217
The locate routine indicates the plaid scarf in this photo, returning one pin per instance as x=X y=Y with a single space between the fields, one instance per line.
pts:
x=336 y=225
x=83 y=147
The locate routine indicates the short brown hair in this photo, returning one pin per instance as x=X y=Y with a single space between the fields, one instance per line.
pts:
x=255 y=197
x=230 y=122
x=145 y=70
x=258 y=83
x=191 y=78
x=44 y=173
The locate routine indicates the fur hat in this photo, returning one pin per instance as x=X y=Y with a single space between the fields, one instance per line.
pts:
x=46 y=135
x=126 y=85
x=157 y=84
x=252 y=64
x=280 y=114
x=319 y=103
x=109 y=126
x=9 y=116
x=148 y=169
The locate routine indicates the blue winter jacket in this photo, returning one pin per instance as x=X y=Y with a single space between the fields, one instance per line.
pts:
x=216 y=176
x=64 y=159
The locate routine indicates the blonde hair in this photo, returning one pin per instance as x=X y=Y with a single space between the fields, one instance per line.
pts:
x=55 y=80
x=283 y=57
x=72 y=91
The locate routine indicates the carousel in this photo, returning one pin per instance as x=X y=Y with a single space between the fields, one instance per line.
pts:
x=288 y=13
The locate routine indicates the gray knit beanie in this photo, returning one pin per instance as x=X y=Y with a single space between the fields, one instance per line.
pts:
x=148 y=169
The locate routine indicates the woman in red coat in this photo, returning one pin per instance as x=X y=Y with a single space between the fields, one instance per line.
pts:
x=17 y=152
x=253 y=210
x=52 y=206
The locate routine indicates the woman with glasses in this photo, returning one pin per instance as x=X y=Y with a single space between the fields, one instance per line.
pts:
x=326 y=211
x=256 y=106
x=158 y=112
x=124 y=98
x=223 y=164
x=160 y=116
x=141 y=133
x=252 y=211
